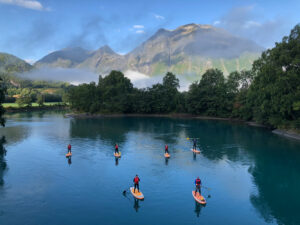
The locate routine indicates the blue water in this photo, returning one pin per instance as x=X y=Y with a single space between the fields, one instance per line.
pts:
x=253 y=175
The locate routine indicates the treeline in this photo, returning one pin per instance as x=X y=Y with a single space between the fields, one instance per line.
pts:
x=268 y=94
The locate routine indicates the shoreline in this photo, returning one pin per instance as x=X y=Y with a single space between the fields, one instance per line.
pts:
x=34 y=109
x=283 y=133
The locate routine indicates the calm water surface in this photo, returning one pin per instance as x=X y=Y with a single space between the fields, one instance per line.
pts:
x=254 y=175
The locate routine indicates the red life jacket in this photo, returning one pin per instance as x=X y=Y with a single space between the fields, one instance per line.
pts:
x=69 y=147
x=136 y=180
x=166 y=147
x=198 y=181
x=116 y=147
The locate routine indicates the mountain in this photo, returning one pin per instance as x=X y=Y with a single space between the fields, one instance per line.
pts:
x=11 y=64
x=188 y=50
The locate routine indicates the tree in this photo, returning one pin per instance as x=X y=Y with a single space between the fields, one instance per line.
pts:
x=2 y=98
x=275 y=91
x=24 y=101
x=40 y=100
x=208 y=97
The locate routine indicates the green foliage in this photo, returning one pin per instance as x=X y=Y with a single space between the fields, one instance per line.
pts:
x=24 y=101
x=269 y=93
x=40 y=100
x=2 y=98
x=275 y=92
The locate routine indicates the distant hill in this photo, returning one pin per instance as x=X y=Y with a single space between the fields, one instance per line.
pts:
x=11 y=64
x=188 y=50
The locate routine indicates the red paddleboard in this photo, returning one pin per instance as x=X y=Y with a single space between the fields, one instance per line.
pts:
x=196 y=151
x=117 y=155
x=167 y=155
x=199 y=198
x=136 y=194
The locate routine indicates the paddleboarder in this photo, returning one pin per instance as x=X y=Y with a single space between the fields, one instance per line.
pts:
x=166 y=149
x=198 y=185
x=69 y=148
x=136 y=181
x=116 y=148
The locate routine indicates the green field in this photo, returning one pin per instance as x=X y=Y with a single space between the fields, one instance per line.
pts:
x=15 y=105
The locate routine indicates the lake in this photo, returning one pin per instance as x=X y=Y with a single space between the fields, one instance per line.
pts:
x=253 y=175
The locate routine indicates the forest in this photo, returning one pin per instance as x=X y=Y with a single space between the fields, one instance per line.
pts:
x=269 y=93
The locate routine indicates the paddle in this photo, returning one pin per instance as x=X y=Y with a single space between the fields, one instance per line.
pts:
x=206 y=187
x=191 y=138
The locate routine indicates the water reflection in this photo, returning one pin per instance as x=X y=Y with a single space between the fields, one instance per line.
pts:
x=166 y=161
x=136 y=204
x=70 y=160
x=198 y=208
x=3 y=164
x=116 y=161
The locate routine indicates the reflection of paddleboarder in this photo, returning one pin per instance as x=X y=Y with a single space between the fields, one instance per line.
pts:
x=117 y=161
x=70 y=160
x=197 y=209
x=136 y=205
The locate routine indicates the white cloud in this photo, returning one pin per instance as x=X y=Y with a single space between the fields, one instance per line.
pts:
x=29 y=4
x=140 y=32
x=251 y=23
x=30 y=61
x=138 y=26
x=159 y=17
x=217 y=22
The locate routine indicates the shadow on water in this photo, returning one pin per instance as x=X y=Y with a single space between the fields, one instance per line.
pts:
x=136 y=205
x=198 y=208
x=3 y=164
x=116 y=161
x=70 y=160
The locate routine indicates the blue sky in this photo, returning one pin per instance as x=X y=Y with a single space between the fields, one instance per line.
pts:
x=31 y=29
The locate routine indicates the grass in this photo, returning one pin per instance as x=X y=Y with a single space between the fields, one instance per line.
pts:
x=15 y=105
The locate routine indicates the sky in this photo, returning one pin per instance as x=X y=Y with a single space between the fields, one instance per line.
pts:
x=31 y=29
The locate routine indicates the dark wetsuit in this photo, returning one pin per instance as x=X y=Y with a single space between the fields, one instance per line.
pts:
x=198 y=186
x=194 y=144
x=166 y=149
x=136 y=181
x=69 y=148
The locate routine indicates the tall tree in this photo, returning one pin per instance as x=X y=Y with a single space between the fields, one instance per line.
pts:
x=2 y=98
x=275 y=92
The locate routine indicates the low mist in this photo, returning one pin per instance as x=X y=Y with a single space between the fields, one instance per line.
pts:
x=79 y=76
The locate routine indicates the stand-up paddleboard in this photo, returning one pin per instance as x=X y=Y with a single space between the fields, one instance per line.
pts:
x=118 y=155
x=199 y=198
x=196 y=151
x=167 y=155
x=69 y=154
x=136 y=194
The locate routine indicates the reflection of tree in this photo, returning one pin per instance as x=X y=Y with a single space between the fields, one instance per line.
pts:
x=277 y=178
x=114 y=130
x=2 y=161
x=16 y=133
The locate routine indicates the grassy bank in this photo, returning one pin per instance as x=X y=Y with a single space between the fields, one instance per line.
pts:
x=15 y=105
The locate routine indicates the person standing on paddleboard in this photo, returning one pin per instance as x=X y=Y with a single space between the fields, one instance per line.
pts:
x=194 y=144
x=198 y=185
x=136 y=181
x=117 y=149
x=166 y=149
x=69 y=148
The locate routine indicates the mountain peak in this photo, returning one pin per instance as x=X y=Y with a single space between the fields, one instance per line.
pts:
x=105 y=49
